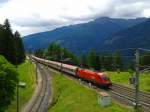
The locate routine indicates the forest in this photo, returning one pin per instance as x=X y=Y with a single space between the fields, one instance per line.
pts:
x=12 y=54
x=93 y=60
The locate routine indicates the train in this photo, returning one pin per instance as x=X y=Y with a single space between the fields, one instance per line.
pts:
x=97 y=78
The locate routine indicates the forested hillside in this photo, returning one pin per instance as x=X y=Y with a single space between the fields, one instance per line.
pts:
x=82 y=37
x=137 y=36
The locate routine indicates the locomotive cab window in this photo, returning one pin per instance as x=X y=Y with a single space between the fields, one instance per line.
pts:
x=105 y=78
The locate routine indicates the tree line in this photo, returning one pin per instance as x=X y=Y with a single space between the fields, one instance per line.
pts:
x=100 y=61
x=11 y=46
x=91 y=60
x=56 y=53
x=11 y=54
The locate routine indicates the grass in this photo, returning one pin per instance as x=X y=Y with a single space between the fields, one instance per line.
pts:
x=69 y=96
x=26 y=74
x=123 y=78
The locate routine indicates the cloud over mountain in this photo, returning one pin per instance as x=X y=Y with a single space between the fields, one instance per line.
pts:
x=29 y=16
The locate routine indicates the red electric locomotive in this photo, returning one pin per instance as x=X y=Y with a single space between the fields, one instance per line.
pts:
x=97 y=78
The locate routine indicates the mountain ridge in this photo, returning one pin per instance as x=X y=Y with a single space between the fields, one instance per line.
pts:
x=136 y=36
x=80 y=37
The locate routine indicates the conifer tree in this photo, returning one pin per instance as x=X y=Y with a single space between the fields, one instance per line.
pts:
x=93 y=60
x=11 y=46
x=8 y=43
x=106 y=61
x=39 y=53
x=83 y=61
x=2 y=46
x=117 y=61
x=19 y=49
x=56 y=53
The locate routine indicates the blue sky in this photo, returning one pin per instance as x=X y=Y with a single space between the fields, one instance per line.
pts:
x=30 y=16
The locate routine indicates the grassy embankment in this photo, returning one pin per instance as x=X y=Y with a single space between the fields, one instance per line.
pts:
x=27 y=75
x=123 y=78
x=69 y=96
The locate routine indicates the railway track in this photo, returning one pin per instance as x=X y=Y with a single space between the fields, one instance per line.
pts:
x=41 y=100
x=125 y=95
x=122 y=94
x=129 y=94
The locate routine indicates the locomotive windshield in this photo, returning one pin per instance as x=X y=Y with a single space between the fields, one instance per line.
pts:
x=105 y=78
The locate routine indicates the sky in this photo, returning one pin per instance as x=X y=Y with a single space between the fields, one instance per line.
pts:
x=31 y=16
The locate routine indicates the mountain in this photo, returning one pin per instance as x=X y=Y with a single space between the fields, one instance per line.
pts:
x=81 y=37
x=137 y=36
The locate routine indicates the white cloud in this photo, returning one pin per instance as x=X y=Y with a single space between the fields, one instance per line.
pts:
x=146 y=12
x=29 y=16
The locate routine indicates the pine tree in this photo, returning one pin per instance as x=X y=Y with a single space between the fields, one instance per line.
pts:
x=2 y=46
x=98 y=60
x=19 y=49
x=39 y=53
x=93 y=60
x=11 y=46
x=83 y=61
x=106 y=61
x=8 y=42
x=56 y=53
x=117 y=61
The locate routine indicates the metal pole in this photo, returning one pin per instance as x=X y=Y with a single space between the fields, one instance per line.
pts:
x=81 y=64
x=36 y=73
x=17 y=96
x=16 y=60
x=61 y=64
x=137 y=81
x=17 y=92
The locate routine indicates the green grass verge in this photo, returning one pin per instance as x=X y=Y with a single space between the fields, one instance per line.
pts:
x=123 y=78
x=27 y=75
x=69 y=96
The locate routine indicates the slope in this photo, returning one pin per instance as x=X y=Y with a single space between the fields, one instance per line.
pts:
x=137 y=36
x=81 y=37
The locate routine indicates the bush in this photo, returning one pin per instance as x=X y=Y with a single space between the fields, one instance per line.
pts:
x=8 y=80
x=130 y=71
